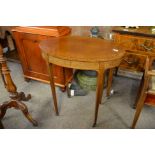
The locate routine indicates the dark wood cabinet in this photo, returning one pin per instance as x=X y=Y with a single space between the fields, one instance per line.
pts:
x=138 y=43
x=27 y=40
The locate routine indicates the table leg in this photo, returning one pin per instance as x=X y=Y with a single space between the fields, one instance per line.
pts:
x=110 y=78
x=138 y=109
x=50 y=69
x=99 y=92
x=139 y=92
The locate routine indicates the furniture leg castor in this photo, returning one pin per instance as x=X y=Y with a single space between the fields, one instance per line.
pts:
x=27 y=79
x=63 y=89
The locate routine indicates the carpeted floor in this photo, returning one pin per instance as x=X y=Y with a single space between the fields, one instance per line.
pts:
x=75 y=112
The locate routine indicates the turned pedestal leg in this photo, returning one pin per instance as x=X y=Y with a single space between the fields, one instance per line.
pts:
x=99 y=92
x=15 y=97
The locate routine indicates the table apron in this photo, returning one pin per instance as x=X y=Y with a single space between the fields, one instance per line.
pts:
x=110 y=64
x=74 y=64
x=85 y=65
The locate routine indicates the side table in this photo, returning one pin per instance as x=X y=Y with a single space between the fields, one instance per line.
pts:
x=82 y=53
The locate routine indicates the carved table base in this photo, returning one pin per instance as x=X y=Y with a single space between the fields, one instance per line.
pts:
x=15 y=97
x=16 y=103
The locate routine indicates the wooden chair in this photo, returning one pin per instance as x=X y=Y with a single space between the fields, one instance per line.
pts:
x=147 y=94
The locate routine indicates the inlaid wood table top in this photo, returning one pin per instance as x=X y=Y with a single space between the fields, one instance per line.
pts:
x=81 y=49
x=81 y=53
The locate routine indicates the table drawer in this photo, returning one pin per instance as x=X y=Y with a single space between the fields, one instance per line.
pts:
x=129 y=42
x=133 y=62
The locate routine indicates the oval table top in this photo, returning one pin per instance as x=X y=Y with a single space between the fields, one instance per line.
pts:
x=77 y=48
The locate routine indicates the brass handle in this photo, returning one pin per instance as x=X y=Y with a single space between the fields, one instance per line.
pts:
x=147 y=48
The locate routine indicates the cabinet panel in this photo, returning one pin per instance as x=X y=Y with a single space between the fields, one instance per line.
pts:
x=32 y=54
x=146 y=45
x=133 y=62
x=137 y=49
x=33 y=64
x=135 y=43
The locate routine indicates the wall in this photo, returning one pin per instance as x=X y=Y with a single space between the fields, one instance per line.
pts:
x=85 y=30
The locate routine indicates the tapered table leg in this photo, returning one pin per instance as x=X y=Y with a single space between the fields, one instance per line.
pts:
x=141 y=100
x=99 y=92
x=138 y=110
x=51 y=75
x=139 y=92
x=109 y=84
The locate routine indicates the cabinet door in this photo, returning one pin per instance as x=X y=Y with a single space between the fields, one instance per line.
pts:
x=33 y=64
x=31 y=54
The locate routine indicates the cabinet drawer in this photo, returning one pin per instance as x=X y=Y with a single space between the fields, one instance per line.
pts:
x=135 y=43
x=133 y=62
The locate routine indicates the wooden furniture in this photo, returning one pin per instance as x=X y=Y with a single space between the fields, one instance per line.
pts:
x=138 y=43
x=15 y=97
x=81 y=53
x=147 y=94
x=34 y=67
